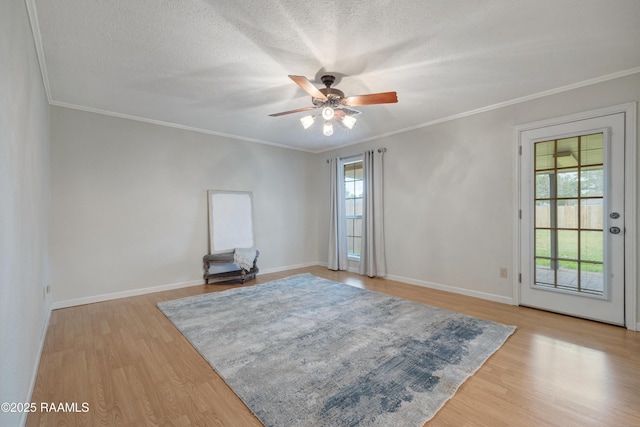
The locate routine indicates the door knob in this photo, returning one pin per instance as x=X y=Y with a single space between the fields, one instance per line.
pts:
x=614 y=230
x=614 y=215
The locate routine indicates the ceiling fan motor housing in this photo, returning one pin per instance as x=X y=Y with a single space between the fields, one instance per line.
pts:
x=335 y=98
x=334 y=95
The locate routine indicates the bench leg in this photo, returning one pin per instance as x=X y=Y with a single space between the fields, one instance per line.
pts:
x=205 y=265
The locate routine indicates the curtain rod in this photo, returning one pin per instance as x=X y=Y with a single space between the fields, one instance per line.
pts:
x=380 y=150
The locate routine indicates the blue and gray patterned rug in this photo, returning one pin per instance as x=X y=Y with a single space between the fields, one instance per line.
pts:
x=307 y=351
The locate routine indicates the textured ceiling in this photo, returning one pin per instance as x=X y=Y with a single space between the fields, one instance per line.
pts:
x=221 y=66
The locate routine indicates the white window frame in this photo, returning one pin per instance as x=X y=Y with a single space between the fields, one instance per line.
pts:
x=347 y=161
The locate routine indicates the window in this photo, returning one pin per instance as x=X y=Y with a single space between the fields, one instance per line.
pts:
x=569 y=214
x=353 y=191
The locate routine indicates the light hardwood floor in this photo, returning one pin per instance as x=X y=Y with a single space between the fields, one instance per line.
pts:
x=133 y=368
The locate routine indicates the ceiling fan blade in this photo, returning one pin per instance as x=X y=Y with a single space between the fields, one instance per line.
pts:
x=372 y=98
x=293 y=111
x=308 y=87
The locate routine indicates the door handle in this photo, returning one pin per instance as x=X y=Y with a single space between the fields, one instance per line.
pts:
x=614 y=230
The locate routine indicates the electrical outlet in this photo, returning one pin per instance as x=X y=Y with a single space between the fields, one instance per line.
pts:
x=504 y=273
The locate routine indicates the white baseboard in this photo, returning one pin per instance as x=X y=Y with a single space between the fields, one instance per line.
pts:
x=289 y=267
x=438 y=286
x=136 y=292
x=36 y=365
x=142 y=291
x=454 y=289
x=124 y=294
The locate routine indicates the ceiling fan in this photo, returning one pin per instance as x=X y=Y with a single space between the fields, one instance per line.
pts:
x=334 y=104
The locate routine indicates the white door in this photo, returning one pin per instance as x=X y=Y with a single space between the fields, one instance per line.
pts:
x=572 y=227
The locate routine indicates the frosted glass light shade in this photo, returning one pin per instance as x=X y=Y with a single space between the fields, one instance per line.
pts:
x=307 y=121
x=327 y=129
x=349 y=121
x=327 y=113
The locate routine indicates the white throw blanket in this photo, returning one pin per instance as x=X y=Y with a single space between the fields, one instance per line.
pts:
x=243 y=257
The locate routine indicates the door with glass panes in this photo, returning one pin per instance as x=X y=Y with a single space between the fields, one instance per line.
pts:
x=572 y=226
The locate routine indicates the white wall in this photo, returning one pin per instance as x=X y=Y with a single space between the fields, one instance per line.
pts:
x=449 y=191
x=24 y=208
x=129 y=203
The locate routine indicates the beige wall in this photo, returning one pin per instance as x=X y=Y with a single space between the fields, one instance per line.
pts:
x=129 y=203
x=129 y=210
x=449 y=198
x=449 y=192
x=24 y=208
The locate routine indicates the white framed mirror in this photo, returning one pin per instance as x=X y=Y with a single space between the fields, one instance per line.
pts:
x=230 y=220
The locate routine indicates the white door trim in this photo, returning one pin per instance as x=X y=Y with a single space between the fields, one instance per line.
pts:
x=631 y=283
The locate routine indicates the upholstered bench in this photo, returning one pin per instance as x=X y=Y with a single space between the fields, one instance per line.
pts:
x=234 y=274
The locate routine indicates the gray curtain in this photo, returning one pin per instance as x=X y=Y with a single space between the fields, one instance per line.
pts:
x=337 y=222
x=372 y=256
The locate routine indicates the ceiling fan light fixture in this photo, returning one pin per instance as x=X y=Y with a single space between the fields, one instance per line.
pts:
x=333 y=104
x=327 y=129
x=327 y=113
x=349 y=121
x=307 y=121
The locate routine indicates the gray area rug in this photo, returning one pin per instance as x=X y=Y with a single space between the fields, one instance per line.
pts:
x=307 y=351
